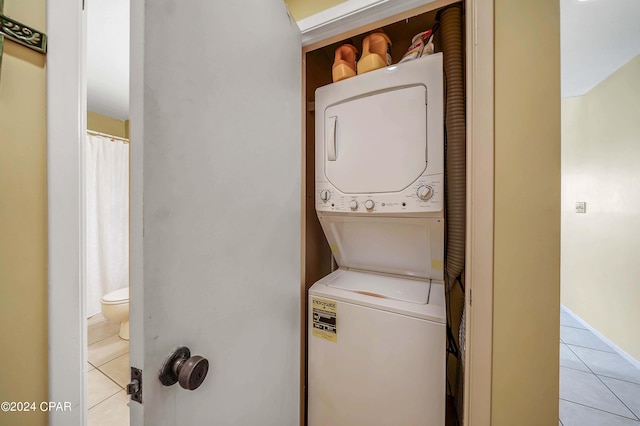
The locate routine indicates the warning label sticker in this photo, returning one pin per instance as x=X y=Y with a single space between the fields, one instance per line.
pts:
x=324 y=319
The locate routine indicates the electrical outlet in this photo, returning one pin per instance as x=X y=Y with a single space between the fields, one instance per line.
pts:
x=581 y=207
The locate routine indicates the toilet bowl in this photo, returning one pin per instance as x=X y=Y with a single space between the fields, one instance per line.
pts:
x=115 y=307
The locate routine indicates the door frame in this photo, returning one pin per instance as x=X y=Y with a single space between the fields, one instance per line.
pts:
x=354 y=17
x=66 y=126
x=478 y=364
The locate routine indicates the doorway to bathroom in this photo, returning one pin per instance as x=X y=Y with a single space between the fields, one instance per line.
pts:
x=106 y=209
x=105 y=182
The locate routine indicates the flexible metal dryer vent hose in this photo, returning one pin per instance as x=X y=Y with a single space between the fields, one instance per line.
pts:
x=451 y=39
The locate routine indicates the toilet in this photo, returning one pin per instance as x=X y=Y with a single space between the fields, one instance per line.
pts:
x=115 y=307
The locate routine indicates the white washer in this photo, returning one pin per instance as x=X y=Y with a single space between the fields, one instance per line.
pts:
x=376 y=351
x=377 y=325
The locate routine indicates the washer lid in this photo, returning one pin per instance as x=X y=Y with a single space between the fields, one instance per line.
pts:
x=383 y=286
x=383 y=292
x=406 y=246
x=117 y=296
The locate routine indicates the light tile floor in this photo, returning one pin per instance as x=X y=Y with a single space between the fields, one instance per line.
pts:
x=597 y=386
x=108 y=374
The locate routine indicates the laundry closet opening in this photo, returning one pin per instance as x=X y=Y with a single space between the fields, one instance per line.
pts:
x=322 y=257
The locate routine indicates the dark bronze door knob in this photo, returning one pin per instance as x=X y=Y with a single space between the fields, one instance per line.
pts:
x=180 y=366
x=192 y=372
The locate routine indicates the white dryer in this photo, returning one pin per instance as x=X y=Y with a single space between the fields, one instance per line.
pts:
x=377 y=325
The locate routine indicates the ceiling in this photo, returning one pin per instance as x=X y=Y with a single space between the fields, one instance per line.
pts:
x=108 y=57
x=597 y=38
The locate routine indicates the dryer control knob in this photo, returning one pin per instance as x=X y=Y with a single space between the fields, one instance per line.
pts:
x=424 y=192
x=353 y=204
x=369 y=204
x=325 y=195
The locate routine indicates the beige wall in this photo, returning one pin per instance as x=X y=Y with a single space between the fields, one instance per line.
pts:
x=109 y=125
x=527 y=213
x=23 y=222
x=301 y=9
x=600 y=151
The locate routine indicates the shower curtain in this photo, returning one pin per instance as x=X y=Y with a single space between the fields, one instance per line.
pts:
x=107 y=218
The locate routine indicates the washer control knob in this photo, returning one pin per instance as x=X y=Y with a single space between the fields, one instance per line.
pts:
x=369 y=204
x=424 y=192
x=353 y=204
x=325 y=195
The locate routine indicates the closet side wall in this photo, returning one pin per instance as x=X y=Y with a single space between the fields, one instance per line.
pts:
x=526 y=290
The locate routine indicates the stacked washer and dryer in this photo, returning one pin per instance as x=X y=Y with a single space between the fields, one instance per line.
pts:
x=377 y=324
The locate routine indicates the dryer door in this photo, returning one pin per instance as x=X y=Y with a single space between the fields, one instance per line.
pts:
x=377 y=142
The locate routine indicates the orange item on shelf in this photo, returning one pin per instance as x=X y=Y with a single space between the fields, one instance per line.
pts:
x=376 y=52
x=344 y=64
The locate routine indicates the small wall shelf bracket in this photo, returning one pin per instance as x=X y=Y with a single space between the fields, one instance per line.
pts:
x=21 y=34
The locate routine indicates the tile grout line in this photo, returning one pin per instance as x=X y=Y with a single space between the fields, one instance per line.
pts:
x=104 y=400
x=593 y=349
x=105 y=373
x=106 y=362
x=610 y=390
x=109 y=396
x=598 y=409
x=619 y=379
x=96 y=326
x=575 y=369
x=571 y=326
x=109 y=360
x=603 y=375
x=105 y=338
x=619 y=399
x=110 y=378
x=579 y=359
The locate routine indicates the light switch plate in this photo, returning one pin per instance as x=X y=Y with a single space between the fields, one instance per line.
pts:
x=581 y=207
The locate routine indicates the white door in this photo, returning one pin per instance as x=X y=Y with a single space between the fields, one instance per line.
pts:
x=215 y=220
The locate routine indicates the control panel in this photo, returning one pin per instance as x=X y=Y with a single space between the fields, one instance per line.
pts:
x=425 y=195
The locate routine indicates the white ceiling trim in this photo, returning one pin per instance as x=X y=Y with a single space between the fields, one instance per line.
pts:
x=351 y=14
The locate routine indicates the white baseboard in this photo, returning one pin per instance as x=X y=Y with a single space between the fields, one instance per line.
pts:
x=613 y=346
x=96 y=319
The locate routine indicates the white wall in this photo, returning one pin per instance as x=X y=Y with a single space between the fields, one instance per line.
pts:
x=600 y=153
